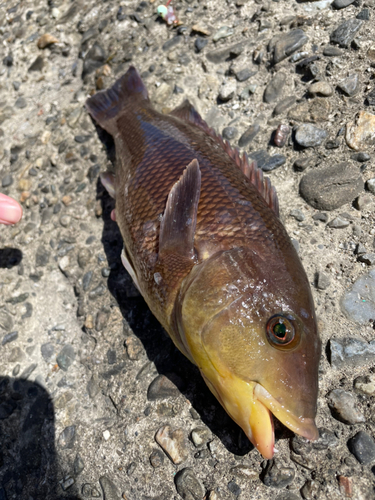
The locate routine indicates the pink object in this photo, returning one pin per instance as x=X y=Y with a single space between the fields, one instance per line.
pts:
x=10 y=210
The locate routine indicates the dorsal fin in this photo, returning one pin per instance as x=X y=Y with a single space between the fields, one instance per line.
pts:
x=188 y=113
x=177 y=228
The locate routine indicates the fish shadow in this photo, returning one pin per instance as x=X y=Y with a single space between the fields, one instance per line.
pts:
x=158 y=346
x=29 y=465
x=10 y=257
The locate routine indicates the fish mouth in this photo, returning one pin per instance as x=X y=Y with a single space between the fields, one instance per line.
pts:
x=251 y=406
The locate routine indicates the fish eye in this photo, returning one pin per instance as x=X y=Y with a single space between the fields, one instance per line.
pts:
x=281 y=332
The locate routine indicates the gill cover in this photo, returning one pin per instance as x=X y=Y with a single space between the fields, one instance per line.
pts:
x=255 y=342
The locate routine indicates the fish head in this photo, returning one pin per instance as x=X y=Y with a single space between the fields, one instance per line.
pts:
x=250 y=326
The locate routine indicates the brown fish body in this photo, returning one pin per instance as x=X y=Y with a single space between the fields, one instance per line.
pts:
x=209 y=253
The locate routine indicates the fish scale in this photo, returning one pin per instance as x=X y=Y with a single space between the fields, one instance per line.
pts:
x=206 y=248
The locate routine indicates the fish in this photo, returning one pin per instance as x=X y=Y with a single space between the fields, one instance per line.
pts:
x=205 y=246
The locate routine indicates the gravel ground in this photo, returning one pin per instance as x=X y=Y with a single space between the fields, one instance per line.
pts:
x=88 y=377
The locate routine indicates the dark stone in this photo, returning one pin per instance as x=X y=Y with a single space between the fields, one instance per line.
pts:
x=188 y=485
x=364 y=15
x=351 y=352
x=66 y=357
x=350 y=85
x=362 y=446
x=78 y=465
x=37 y=65
x=7 y=181
x=82 y=138
x=274 y=87
x=245 y=74
x=111 y=356
x=346 y=32
x=67 y=438
x=20 y=103
x=341 y=4
x=248 y=135
x=309 y=136
x=94 y=58
x=156 y=458
x=273 y=162
x=172 y=42
x=361 y=157
x=47 y=350
x=8 y=60
x=200 y=44
x=221 y=55
x=42 y=257
x=370 y=98
x=9 y=337
x=234 y=488
x=110 y=491
x=288 y=43
x=331 y=51
x=277 y=475
x=331 y=187
x=165 y=387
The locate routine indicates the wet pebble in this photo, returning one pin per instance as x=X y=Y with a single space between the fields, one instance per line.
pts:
x=164 y=387
x=66 y=357
x=359 y=302
x=351 y=351
x=345 y=33
x=343 y=406
x=67 y=437
x=188 y=486
x=362 y=446
x=330 y=187
x=309 y=136
x=278 y=475
x=173 y=442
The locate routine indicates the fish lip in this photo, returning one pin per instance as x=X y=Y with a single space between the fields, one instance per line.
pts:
x=304 y=426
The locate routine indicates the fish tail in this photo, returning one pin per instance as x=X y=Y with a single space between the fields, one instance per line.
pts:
x=107 y=104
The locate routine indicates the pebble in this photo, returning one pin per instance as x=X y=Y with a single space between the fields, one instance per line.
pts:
x=362 y=446
x=281 y=135
x=173 y=443
x=244 y=74
x=370 y=184
x=361 y=157
x=67 y=437
x=46 y=40
x=110 y=491
x=20 y=103
x=93 y=388
x=156 y=459
x=359 y=302
x=346 y=486
x=343 y=406
x=162 y=93
x=47 y=350
x=331 y=51
x=360 y=134
x=94 y=59
x=221 y=55
x=200 y=436
x=303 y=163
x=248 y=135
x=223 y=32
x=163 y=387
x=188 y=486
x=321 y=88
x=9 y=337
x=351 y=352
x=267 y=162
x=37 y=65
x=274 y=88
x=341 y=4
x=338 y=223
x=288 y=44
x=172 y=42
x=309 y=136
x=288 y=496
x=234 y=488
x=346 y=32
x=350 y=85
x=229 y=133
x=278 y=475
x=365 y=384
x=310 y=490
x=364 y=14
x=7 y=181
x=330 y=187
x=66 y=357
x=284 y=104
x=322 y=281
x=227 y=90
x=367 y=258
x=134 y=349
x=200 y=43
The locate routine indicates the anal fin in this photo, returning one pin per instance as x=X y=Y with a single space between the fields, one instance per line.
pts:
x=177 y=229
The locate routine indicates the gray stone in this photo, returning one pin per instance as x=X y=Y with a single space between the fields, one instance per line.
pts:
x=188 y=485
x=37 y=65
x=42 y=257
x=66 y=357
x=303 y=163
x=9 y=337
x=341 y=4
x=367 y=258
x=361 y=157
x=164 y=387
x=156 y=458
x=93 y=388
x=346 y=32
x=223 y=32
x=229 y=133
x=221 y=55
x=284 y=104
x=47 y=350
x=309 y=136
x=362 y=446
x=297 y=214
x=227 y=90
x=67 y=437
x=331 y=51
x=274 y=87
x=277 y=475
x=110 y=491
x=370 y=184
x=351 y=352
x=328 y=188
x=322 y=281
x=338 y=223
x=288 y=43
x=172 y=42
x=7 y=181
x=20 y=103
x=244 y=74
x=343 y=406
x=201 y=436
x=273 y=162
x=364 y=14
x=350 y=85
x=94 y=58
x=248 y=135
x=359 y=302
x=234 y=488
x=200 y=43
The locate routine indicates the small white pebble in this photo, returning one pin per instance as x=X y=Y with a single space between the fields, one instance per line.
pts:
x=106 y=435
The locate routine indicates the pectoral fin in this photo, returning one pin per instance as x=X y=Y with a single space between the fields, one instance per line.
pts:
x=177 y=229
